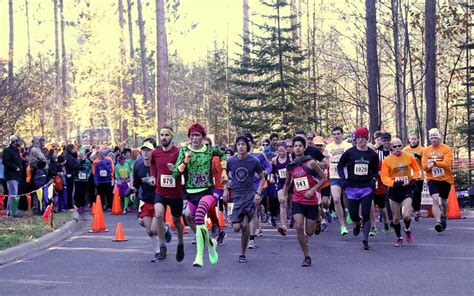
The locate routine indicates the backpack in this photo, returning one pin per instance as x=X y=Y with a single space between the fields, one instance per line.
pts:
x=103 y=169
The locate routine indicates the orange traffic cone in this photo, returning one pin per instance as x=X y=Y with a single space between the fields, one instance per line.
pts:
x=169 y=218
x=454 y=212
x=119 y=234
x=28 y=201
x=94 y=205
x=98 y=223
x=222 y=220
x=208 y=223
x=116 y=203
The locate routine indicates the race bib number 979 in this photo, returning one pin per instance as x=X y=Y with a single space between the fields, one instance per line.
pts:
x=361 y=169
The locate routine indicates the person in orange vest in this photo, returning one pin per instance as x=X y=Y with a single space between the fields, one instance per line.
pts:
x=397 y=173
x=416 y=150
x=437 y=161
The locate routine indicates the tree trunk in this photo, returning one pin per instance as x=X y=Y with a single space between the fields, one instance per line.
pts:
x=294 y=22
x=10 y=47
x=132 y=71
x=142 y=52
x=123 y=63
x=246 y=32
x=398 y=72
x=162 y=73
x=57 y=77
x=280 y=66
x=430 y=61
x=28 y=33
x=372 y=66
x=64 y=68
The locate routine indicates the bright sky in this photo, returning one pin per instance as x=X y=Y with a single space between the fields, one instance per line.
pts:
x=216 y=20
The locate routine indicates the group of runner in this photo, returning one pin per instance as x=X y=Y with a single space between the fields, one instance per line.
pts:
x=349 y=176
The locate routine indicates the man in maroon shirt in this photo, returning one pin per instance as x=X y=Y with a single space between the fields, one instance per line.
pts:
x=169 y=191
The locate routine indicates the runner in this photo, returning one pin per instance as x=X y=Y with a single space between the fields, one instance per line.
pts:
x=362 y=169
x=243 y=168
x=380 y=196
x=416 y=150
x=437 y=160
x=146 y=194
x=195 y=162
x=267 y=167
x=168 y=192
x=280 y=163
x=325 y=190
x=333 y=152
x=216 y=231
x=302 y=172
x=398 y=171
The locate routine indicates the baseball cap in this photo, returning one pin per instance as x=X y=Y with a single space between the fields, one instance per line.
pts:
x=14 y=138
x=386 y=135
x=310 y=135
x=147 y=145
x=319 y=141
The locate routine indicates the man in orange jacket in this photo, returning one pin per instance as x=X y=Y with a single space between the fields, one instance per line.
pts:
x=437 y=161
x=398 y=172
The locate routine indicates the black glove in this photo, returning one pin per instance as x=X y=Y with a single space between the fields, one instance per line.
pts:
x=372 y=183
x=398 y=183
x=417 y=156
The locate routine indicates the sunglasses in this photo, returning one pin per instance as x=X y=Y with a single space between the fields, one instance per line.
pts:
x=265 y=145
x=397 y=146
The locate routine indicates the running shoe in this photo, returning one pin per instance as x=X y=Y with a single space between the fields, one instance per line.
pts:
x=156 y=258
x=162 y=254
x=242 y=259
x=324 y=227
x=168 y=234
x=212 y=248
x=365 y=245
x=417 y=216
x=252 y=244
x=282 y=230
x=356 y=229
x=328 y=215
x=306 y=262
x=438 y=227
x=399 y=242
x=180 y=253
x=220 y=237
x=348 y=219
x=386 y=229
x=344 y=230
x=373 y=231
x=259 y=232
x=273 y=221
x=409 y=237
x=443 y=223
x=317 y=228
x=214 y=230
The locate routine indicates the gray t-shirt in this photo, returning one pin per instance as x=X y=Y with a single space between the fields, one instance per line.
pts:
x=242 y=172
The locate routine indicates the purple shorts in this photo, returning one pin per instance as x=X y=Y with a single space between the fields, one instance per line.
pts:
x=122 y=188
x=358 y=193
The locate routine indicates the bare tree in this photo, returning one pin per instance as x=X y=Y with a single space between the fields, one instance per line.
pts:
x=246 y=32
x=63 y=66
x=162 y=76
x=142 y=52
x=372 y=65
x=10 y=45
x=27 y=15
x=430 y=61
x=132 y=87
x=123 y=62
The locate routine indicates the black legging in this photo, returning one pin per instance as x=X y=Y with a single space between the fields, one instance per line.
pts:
x=80 y=194
x=106 y=194
x=366 y=203
x=417 y=195
x=70 y=190
x=274 y=206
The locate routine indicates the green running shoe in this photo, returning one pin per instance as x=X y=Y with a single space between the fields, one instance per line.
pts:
x=212 y=247
x=344 y=230
x=373 y=231
x=387 y=229
x=348 y=219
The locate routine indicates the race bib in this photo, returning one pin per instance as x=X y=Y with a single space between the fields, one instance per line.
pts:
x=333 y=169
x=167 y=181
x=301 y=183
x=437 y=172
x=230 y=208
x=103 y=173
x=200 y=179
x=282 y=173
x=403 y=178
x=361 y=169
x=81 y=176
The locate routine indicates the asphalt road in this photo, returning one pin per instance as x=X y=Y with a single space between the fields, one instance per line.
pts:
x=91 y=264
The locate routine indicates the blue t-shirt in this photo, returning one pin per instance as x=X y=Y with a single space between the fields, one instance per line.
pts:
x=242 y=173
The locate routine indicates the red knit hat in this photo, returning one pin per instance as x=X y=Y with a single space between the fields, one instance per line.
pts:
x=196 y=127
x=362 y=132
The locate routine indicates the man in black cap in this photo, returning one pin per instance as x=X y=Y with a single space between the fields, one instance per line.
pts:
x=309 y=139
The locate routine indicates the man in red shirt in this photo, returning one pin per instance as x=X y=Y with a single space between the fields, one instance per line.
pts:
x=169 y=191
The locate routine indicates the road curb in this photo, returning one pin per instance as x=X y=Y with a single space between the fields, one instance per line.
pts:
x=47 y=240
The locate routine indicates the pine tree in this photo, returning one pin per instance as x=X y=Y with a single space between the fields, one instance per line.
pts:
x=268 y=90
